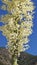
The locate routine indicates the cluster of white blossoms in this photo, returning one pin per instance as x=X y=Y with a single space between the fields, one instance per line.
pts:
x=19 y=24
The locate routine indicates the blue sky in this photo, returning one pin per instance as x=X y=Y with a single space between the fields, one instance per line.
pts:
x=33 y=38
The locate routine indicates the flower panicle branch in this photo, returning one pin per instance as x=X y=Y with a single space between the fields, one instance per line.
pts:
x=18 y=25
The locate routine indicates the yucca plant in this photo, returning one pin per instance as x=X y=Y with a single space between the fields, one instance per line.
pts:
x=18 y=25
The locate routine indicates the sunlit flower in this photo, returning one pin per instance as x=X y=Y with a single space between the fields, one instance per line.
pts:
x=19 y=25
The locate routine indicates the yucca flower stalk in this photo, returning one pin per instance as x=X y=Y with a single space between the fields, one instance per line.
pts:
x=18 y=25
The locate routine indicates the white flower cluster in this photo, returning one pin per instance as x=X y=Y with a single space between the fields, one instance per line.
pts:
x=19 y=25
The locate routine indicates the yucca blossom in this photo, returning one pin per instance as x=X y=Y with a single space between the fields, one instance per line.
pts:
x=18 y=25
